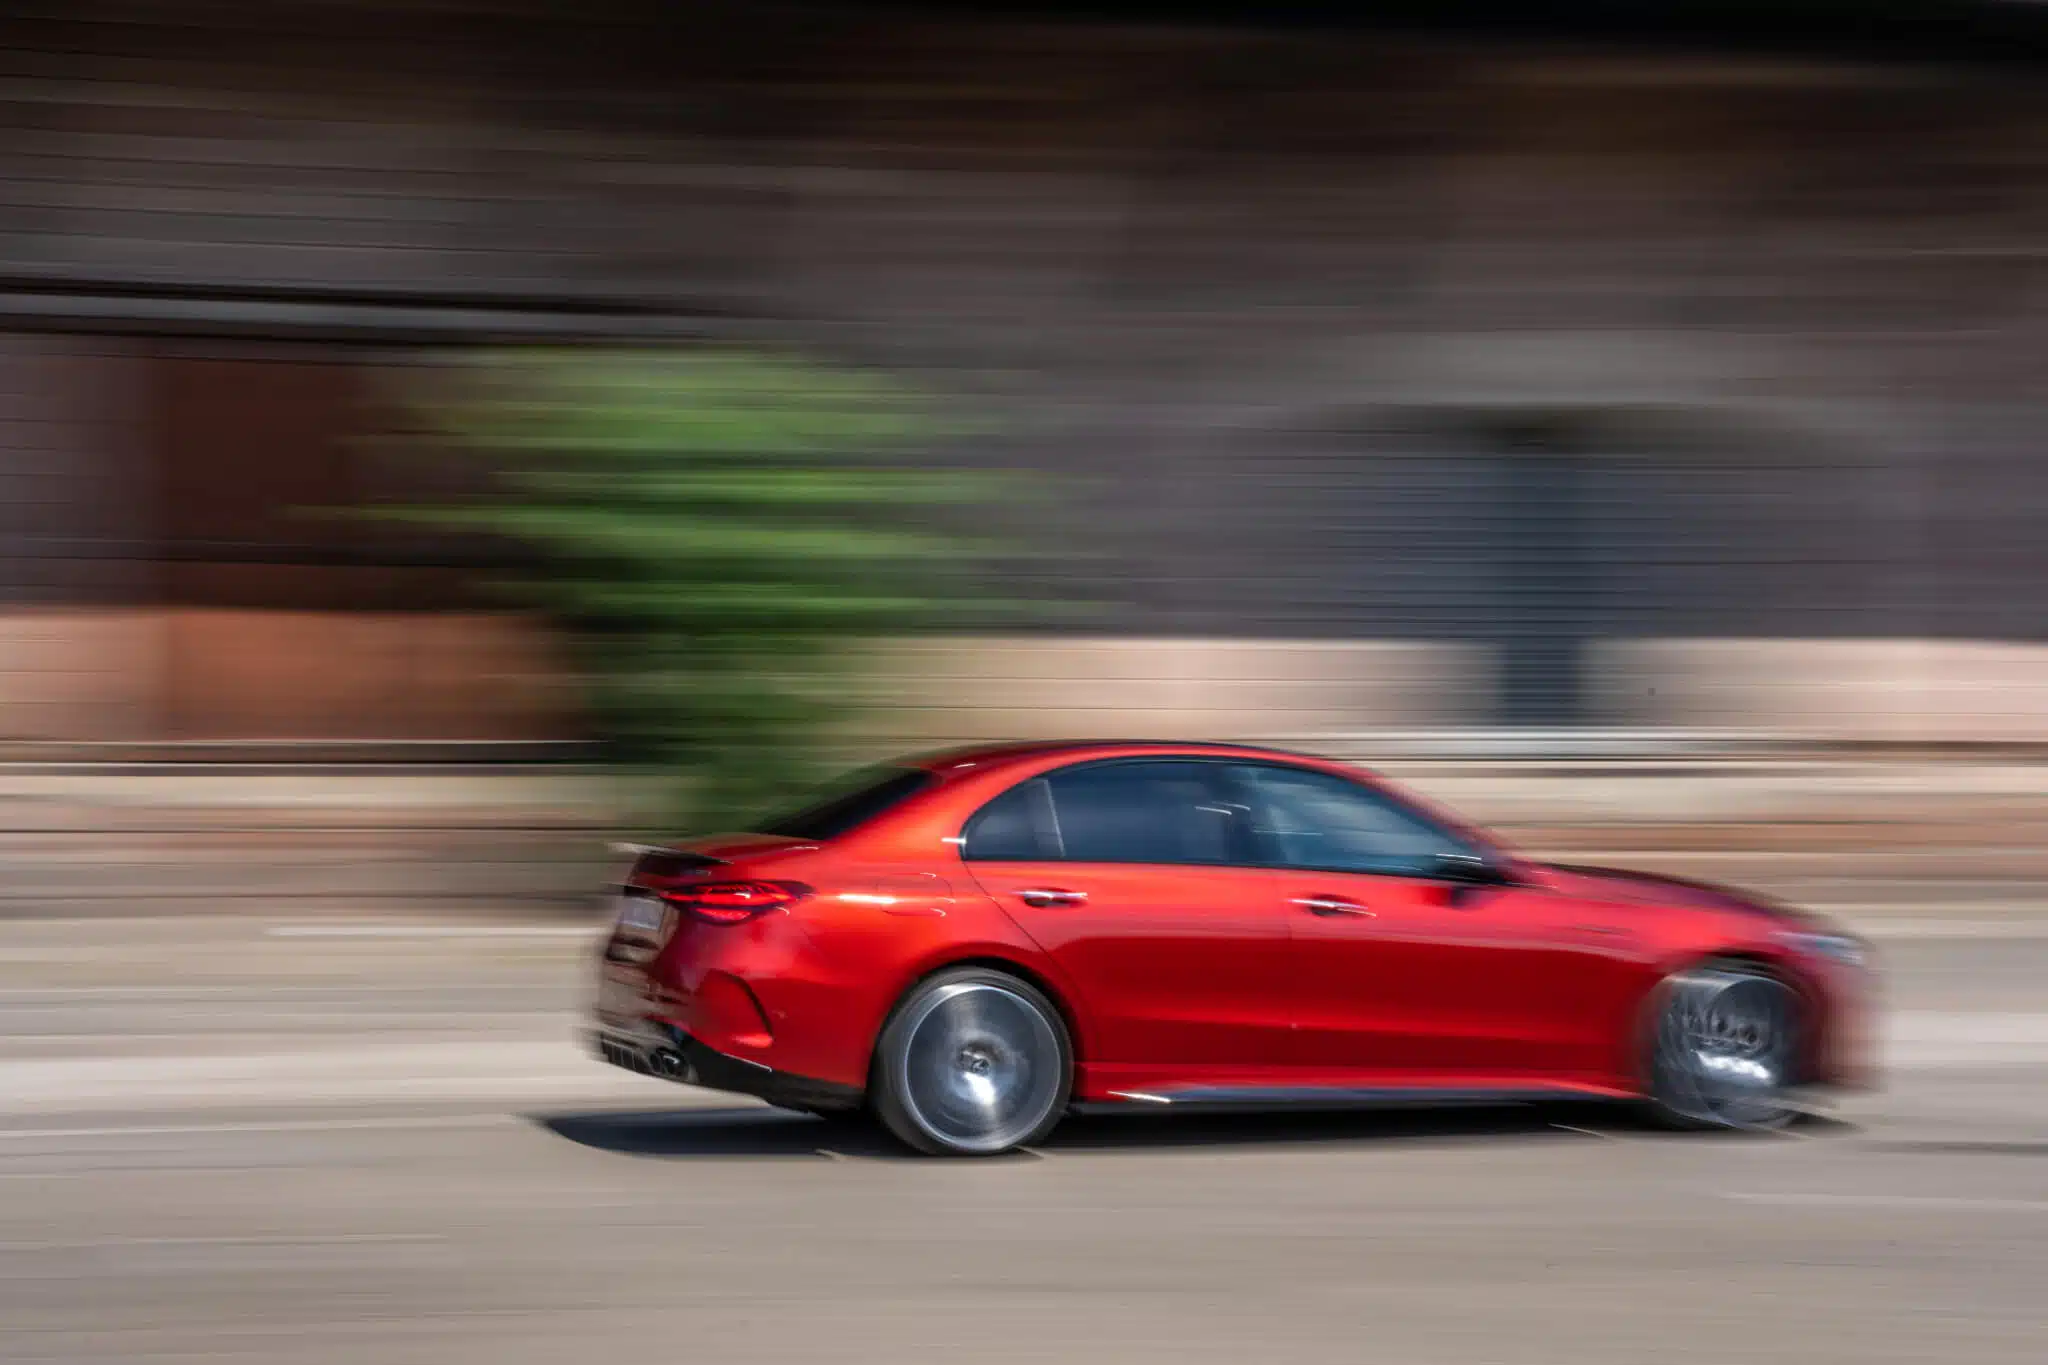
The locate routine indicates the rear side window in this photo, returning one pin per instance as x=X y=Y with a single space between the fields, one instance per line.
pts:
x=1143 y=812
x=1017 y=826
x=848 y=803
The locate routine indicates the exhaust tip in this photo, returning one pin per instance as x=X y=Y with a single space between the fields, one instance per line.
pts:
x=671 y=1064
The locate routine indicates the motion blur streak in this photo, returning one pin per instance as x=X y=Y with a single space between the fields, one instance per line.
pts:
x=1374 y=379
x=1620 y=423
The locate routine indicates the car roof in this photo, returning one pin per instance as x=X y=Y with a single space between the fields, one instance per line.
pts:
x=982 y=755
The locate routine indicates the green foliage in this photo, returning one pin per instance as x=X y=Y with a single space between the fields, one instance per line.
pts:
x=718 y=531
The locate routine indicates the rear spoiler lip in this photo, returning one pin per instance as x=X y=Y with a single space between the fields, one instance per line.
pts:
x=626 y=850
x=701 y=864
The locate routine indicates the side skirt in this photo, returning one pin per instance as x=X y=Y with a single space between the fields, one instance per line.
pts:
x=1248 y=1097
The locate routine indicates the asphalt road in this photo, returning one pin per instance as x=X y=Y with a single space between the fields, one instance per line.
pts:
x=227 y=1140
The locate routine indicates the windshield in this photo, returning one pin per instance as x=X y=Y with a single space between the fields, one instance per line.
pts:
x=850 y=801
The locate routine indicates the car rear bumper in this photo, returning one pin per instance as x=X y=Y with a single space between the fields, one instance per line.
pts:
x=656 y=1049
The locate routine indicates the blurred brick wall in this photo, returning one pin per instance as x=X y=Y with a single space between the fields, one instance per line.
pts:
x=151 y=676
x=362 y=676
x=81 y=674
x=75 y=494
x=1281 y=309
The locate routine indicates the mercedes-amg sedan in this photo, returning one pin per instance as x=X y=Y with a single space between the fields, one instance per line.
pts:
x=970 y=944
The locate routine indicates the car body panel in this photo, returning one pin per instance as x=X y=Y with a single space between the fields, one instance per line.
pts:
x=1197 y=980
x=1175 y=966
x=1431 y=979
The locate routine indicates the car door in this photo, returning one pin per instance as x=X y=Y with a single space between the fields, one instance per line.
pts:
x=1132 y=875
x=1408 y=967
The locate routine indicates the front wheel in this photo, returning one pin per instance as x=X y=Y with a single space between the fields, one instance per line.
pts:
x=974 y=1062
x=1725 y=1049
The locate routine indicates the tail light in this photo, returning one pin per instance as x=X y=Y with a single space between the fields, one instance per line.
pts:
x=733 y=902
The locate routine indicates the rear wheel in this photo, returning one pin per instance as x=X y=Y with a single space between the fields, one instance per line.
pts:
x=1725 y=1049
x=974 y=1062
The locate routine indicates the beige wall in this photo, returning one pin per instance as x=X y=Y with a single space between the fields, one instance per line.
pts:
x=1022 y=688
x=1895 y=691
x=1891 y=691
x=217 y=674
x=140 y=676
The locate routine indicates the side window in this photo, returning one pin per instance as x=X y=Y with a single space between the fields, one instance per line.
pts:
x=1319 y=820
x=1154 y=812
x=1140 y=812
x=1015 y=827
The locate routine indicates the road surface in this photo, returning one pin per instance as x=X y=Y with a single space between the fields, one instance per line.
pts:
x=377 y=1142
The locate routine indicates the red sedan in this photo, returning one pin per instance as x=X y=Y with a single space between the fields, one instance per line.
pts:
x=971 y=943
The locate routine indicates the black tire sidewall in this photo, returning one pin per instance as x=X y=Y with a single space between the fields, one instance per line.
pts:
x=1656 y=1105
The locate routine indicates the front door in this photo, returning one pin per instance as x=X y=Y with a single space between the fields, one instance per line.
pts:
x=1130 y=874
x=1406 y=972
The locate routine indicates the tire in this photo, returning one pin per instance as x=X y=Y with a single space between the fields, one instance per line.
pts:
x=1724 y=1049
x=973 y=1062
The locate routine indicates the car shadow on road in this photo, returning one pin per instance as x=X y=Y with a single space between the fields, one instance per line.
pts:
x=754 y=1131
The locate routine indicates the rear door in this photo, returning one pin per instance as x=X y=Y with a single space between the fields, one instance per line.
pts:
x=1132 y=875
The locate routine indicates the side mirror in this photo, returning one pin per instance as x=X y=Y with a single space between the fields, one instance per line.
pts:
x=1467 y=869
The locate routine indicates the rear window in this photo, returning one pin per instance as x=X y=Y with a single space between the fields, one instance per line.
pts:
x=851 y=801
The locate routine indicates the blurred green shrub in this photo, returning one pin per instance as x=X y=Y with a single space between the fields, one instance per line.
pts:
x=718 y=531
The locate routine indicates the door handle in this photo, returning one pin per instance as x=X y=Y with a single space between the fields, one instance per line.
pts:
x=1044 y=896
x=1332 y=906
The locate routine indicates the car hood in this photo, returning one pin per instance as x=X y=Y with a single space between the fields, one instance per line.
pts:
x=1622 y=886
